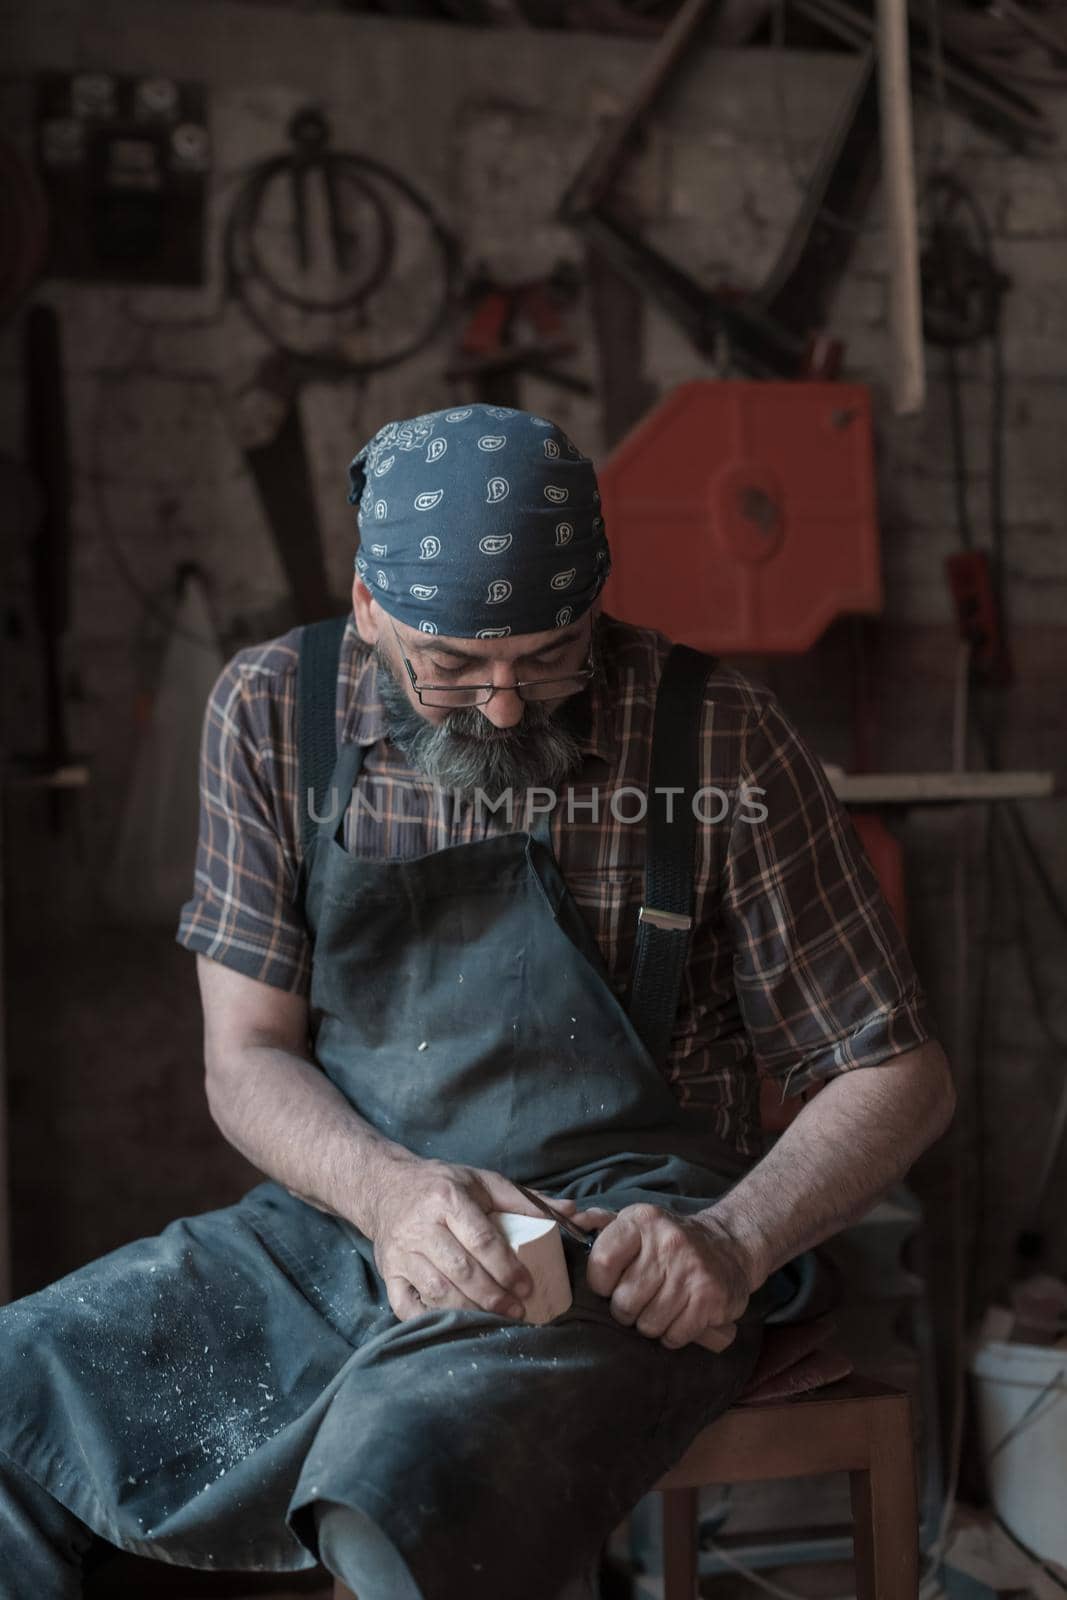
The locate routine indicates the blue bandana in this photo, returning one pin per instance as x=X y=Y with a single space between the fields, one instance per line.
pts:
x=479 y=522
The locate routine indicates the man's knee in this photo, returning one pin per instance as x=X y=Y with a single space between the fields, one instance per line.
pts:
x=355 y=1549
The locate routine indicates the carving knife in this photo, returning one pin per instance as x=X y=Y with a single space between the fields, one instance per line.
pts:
x=571 y=1229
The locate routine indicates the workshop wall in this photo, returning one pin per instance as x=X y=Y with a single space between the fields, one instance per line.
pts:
x=110 y=1133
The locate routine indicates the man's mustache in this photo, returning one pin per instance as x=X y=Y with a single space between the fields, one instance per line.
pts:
x=469 y=722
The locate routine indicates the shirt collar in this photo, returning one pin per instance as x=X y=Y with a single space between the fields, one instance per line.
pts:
x=365 y=719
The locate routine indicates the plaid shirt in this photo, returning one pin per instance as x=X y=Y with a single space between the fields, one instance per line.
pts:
x=796 y=965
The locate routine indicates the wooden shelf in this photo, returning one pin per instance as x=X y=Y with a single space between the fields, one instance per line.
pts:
x=29 y=775
x=936 y=788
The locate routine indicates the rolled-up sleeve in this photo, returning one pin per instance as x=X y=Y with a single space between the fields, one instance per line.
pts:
x=823 y=978
x=242 y=911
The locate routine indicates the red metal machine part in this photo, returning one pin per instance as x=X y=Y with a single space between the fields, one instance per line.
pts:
x=742 y=515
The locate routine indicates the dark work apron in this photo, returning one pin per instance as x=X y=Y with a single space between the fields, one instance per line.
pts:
x=194 y=1396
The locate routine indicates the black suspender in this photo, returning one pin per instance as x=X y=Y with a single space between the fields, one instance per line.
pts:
x=316 y=712
x=666 y=918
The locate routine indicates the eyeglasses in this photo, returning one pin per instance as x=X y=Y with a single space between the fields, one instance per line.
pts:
x=479 y=694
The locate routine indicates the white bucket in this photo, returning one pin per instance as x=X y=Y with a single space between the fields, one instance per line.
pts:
x=1022 y=1416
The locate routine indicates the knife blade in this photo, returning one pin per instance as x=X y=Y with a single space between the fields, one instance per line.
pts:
x=571 y=1229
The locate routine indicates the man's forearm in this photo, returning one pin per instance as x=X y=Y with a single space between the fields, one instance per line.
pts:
x=856 y=1137
x=286 y=1117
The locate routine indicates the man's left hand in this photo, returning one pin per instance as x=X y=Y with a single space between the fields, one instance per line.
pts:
x=682 y=1280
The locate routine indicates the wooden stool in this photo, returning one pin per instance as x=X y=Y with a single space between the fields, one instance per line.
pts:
x=855 y=1426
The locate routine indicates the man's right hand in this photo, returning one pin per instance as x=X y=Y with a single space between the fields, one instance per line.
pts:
x=435 y=1245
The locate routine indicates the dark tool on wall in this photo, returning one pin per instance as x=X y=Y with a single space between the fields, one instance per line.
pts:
x=617 y=313
x=759 y=345
x=816 y=252
x=347 y=276
x=24 y=225
x=969 y=86
x=962 y=293
x=596 y=177
x=48 y=461
x=771 y=334
x=1035 y=26
x=962 y=286
x=357 y=233
x=266 y=420
x=776 y=331
x=125 y=163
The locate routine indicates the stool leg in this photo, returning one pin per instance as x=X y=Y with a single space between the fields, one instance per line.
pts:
x=885 y=1508
x=680 y=1508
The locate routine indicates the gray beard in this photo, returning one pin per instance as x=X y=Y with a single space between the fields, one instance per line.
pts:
x=466 y=753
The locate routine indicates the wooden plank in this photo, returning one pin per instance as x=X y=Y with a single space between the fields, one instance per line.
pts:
x=681 y=1550
x=618 y=314
x=907 y=355
x=885 y=1509
x=931 y=788
x=749 y=1444
x=28 y=775
x=598 y=172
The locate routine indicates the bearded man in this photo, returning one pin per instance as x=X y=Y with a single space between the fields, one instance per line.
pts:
x=491 y=889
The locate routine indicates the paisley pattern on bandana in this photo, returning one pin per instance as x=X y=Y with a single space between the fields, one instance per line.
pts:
x=474 y=521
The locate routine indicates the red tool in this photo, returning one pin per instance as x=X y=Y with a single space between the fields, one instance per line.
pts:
x=520 y=327
x=971 y=582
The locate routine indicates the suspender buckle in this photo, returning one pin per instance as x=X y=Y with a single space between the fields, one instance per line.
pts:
x=670 y=921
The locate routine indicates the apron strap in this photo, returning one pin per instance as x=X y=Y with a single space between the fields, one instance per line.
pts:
x=316 y=717
x=540 y=828
x=666 y=919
